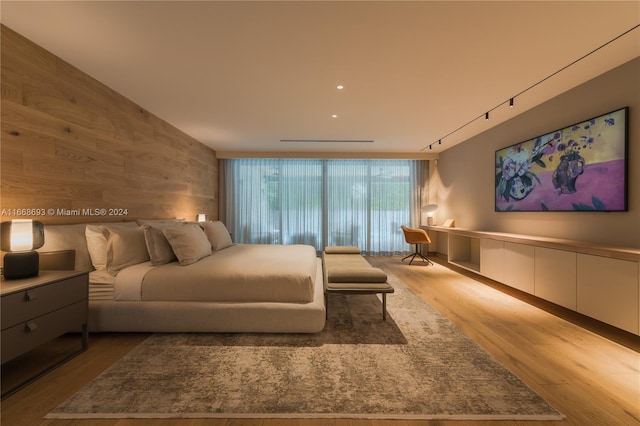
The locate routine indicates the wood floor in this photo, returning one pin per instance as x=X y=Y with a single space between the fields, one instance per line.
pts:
x=588 y=371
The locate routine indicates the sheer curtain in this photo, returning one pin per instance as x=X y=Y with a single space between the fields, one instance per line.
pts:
x=323 y=202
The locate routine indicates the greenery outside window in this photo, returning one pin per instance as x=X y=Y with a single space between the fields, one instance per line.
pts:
x=322 y=202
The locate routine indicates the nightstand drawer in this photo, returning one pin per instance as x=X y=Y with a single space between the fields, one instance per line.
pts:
x=36 y=301
x=28 y=335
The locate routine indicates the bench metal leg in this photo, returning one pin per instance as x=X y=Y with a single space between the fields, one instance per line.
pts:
x=384 y=306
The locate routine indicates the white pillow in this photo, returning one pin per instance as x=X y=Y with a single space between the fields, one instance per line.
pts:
x=217 y=234
x=189 y=243
x=97 y=246
x=160 y=251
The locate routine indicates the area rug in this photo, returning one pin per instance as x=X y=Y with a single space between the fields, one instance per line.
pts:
x=414 y=365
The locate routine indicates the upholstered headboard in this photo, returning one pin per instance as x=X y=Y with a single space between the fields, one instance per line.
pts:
x=68 y=237
x=61 y=238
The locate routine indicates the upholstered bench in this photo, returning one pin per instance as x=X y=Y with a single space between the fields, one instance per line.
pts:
x=347 y=272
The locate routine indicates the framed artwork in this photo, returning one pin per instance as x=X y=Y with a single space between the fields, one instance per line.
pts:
x=582 y=167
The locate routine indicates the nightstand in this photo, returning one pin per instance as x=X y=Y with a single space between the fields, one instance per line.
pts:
x=39 y=309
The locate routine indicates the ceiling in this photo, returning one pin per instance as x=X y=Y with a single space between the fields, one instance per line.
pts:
x=244 y=76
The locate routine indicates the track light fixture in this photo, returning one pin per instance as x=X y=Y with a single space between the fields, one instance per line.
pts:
x=512 y=99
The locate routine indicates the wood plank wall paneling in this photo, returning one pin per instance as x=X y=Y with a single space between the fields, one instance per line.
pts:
x=68 y=142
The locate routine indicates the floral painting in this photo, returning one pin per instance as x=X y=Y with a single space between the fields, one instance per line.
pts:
x=581 y=167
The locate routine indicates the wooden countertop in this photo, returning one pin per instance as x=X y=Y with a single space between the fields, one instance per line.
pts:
x=624 y=253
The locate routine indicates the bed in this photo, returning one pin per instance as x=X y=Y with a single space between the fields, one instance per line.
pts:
x=174 y=276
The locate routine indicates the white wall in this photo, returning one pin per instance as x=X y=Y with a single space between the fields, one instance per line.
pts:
x=465 y=176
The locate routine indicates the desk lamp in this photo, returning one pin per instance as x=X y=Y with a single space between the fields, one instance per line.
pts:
x=430 y=209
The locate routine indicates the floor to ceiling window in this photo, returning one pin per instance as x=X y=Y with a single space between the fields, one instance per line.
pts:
x=322 y=202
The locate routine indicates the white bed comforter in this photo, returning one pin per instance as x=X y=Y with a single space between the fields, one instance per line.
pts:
x=239 y=273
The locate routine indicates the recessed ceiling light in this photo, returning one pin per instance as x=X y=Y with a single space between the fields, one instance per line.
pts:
x=339 y=87
x=334 y=115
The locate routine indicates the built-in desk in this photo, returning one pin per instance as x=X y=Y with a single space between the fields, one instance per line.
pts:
x=600 y=281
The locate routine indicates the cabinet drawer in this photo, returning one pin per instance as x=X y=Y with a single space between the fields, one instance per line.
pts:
x=25 y=336
x=23 y=305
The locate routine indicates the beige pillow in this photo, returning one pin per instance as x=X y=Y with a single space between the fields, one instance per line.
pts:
x=115 y=246
x=189 y=243
x=97 y=241
x=217 y=234
x=125 y=247
x=160 y=251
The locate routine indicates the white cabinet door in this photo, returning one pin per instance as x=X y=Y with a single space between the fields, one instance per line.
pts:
x=555 y=276
x=608 y=291
x=492 y=259
x=519 y=266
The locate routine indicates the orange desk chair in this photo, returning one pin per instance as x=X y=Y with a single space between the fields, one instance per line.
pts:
x=416 y=236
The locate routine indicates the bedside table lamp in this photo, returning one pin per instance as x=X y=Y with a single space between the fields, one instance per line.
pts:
x=19 y=238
